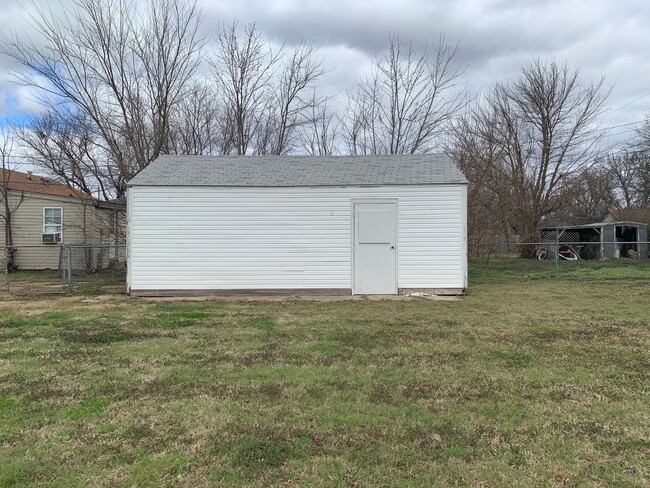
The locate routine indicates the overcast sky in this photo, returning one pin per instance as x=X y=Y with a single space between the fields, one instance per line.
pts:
x=601 y=37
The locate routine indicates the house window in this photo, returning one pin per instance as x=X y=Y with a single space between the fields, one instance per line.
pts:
x=53 y=221
x=112 y=222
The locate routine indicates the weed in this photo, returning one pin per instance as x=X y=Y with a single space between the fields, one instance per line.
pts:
x=268 y=449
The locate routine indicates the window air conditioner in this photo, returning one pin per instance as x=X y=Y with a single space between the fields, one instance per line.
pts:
x=51 y=238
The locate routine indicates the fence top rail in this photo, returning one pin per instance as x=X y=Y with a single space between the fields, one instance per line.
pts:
x=57 y=245
x=553 y=241
x=95 y=246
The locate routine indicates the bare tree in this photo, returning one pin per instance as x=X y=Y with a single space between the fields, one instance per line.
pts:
x=641 y=147
x=622 y=171
x=540 y=129
x=243 y=68
x=488 y=217
x=287 y=107
x=8 y=205
x=197 y=124
x=320 y=135
x=293 y=106
x=120 y=68
x=643 y=184
x=66 y=146
x=591 y=195
x=263 y=90
x=407 y=102
x=642 y=139
x=630 y=172
x=630 y=169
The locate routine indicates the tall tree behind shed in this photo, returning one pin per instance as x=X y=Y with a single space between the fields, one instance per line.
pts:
x=407 y=102
x=266 y=94
x=542 y=131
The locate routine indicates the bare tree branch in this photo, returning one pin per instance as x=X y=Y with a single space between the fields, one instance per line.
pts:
x=408 y=101
x=320 y=135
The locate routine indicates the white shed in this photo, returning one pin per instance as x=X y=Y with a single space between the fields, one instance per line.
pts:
x=297 y=224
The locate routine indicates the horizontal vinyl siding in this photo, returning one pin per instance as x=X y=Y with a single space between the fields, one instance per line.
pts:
x=81 y=223
x=238 y=238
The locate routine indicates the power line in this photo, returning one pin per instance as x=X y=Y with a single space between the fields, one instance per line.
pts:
x=630 y=103
x=625 y=125
x=621 y=132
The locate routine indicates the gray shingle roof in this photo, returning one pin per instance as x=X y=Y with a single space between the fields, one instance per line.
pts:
x=287 y=171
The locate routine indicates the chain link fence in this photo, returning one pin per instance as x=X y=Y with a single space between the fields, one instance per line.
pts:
x=92 y=268
x=56 y=269
x=573 y=250
x=558 y=258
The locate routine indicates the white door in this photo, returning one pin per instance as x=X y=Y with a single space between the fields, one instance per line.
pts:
x=375 y=253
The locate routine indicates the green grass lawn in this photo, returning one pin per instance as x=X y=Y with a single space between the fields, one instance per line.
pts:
x=527 y=381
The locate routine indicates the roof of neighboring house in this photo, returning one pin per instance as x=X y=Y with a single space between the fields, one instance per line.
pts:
x=631 y=214
x=19 y=181
x=291 y=171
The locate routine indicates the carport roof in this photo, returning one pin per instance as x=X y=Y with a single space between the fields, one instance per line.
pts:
x=596 y=225
x=291 y=171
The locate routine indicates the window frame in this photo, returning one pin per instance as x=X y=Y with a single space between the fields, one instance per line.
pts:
x=61 y=224
x=112 y=223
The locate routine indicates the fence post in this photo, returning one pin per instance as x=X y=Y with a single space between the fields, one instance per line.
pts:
x=64 y=267
x=69 y=268
x=557 y=252
x=4 y=266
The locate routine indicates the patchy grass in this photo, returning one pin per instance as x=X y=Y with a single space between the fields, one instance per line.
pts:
x=527 y=381
x=50 y=282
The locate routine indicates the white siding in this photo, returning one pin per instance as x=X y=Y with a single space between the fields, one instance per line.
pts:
x=274 y=238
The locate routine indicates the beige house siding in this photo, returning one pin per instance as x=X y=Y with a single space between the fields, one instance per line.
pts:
x=82 y=223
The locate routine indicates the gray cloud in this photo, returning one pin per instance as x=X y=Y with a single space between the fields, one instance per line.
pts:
x=495 y=37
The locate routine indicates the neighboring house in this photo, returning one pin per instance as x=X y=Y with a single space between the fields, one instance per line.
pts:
x=297 y=224
x=641 y=215
x=45 y=213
